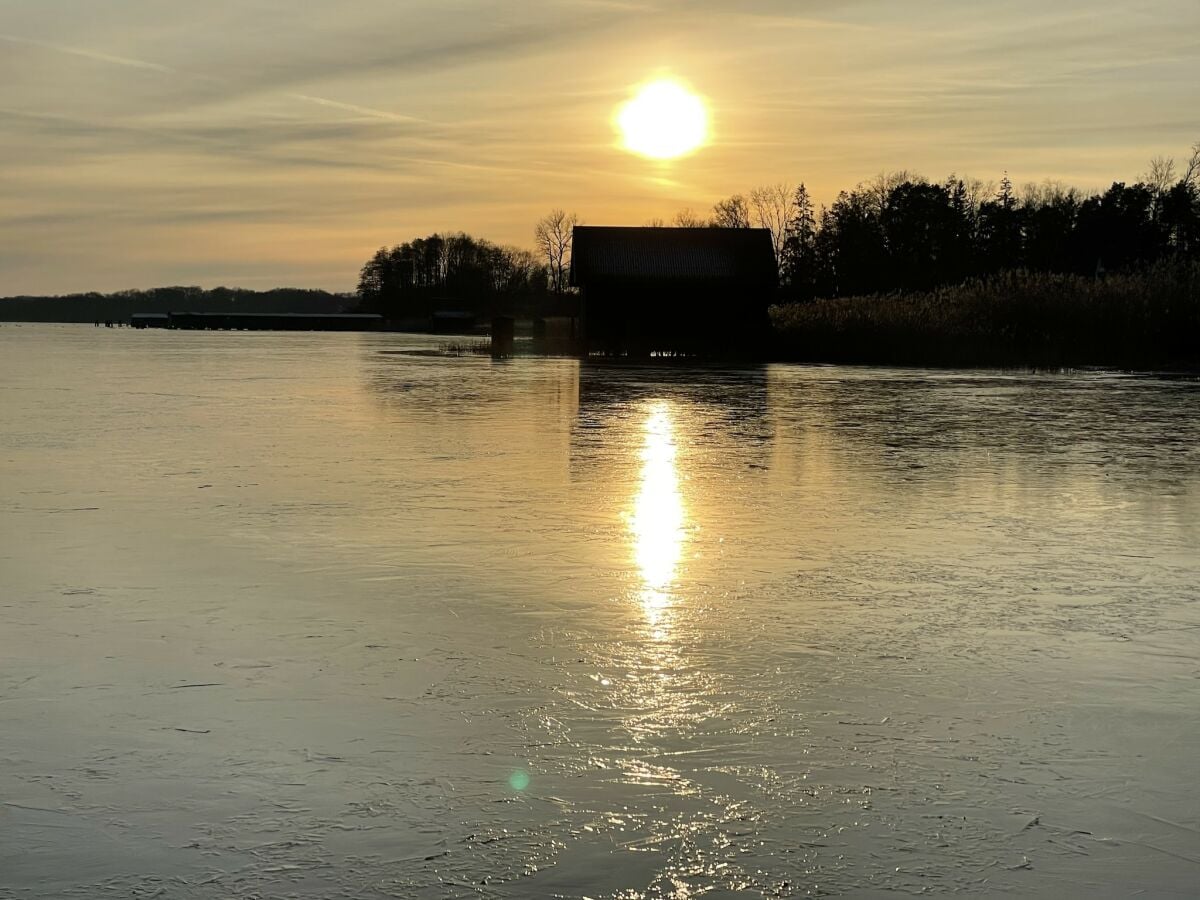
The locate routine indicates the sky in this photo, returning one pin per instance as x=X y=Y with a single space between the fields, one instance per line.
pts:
x=265 y=143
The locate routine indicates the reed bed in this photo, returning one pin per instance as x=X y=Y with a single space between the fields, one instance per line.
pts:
x=466 y=348
x=1143 y=319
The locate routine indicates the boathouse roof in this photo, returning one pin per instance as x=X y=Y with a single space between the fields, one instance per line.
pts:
x=602 y=254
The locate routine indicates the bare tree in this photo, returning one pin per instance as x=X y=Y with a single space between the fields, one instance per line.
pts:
x=733 y=212
x=1191 y=172
x=978 y=191
x=656 y=222
x=687 y=218
x=881 y=186
x=770 y=206
x=1161 y=176
x=553 y=235
x=1046 y=193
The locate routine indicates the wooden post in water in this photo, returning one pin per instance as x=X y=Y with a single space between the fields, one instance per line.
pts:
x=502 y=336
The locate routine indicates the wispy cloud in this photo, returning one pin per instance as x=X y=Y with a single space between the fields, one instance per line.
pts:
x=355 y=108
x=87 y=54
x=221 y=85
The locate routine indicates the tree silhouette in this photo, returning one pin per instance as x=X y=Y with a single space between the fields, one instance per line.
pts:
x=687 y=218
x=855 y=246
x=733 y=212
x=553 y=234
x=1050 y=219
x=1180 y=218
x=1118 y=227
x=411 y=279
x=920 y=230
x=901 y=232
x=1000 y=229
x=1161 y=175
x=798 y=260
x=770 y=207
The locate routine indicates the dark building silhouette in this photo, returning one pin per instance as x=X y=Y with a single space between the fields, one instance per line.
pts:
x=149 y=320
x=673 y=290
x=452 y=321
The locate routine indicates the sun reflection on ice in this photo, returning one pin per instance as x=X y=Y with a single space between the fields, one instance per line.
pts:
x=657 y=523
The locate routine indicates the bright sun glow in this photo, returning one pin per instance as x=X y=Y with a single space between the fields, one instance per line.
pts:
x=663 y=121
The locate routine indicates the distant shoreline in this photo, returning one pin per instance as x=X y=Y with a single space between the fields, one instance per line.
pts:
x=1148 y=320
x=122 y=305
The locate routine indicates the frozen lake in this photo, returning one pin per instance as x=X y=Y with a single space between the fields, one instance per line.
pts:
x=311 y=616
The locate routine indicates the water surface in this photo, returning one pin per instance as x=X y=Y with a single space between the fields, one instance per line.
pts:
x=310 y=615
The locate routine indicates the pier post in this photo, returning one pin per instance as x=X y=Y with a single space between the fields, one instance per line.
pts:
x=502 y=336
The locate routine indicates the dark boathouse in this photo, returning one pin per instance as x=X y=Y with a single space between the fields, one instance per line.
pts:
x=691 y=291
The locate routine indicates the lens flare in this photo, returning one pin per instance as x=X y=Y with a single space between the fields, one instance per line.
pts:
x=663 y=121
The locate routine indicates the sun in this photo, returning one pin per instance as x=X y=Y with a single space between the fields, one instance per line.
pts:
x=664 y=120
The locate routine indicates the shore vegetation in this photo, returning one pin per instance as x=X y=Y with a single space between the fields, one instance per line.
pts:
x=1145 y=318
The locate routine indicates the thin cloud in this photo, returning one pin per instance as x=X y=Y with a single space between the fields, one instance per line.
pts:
x=364 y=56
x=129 y=62
x=284 y=144
x=88 y=54
x=357 y=109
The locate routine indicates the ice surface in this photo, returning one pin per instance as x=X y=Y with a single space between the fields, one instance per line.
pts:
x=297 y=615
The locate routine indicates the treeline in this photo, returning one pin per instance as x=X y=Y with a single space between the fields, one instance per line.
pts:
x=451 y=272
x=902 y=232
x=121 y=305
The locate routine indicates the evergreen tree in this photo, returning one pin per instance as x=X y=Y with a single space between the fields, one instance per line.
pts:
x=799 y=262
x=1000 y=230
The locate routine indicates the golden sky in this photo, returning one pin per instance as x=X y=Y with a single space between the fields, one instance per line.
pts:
x=263 y=143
